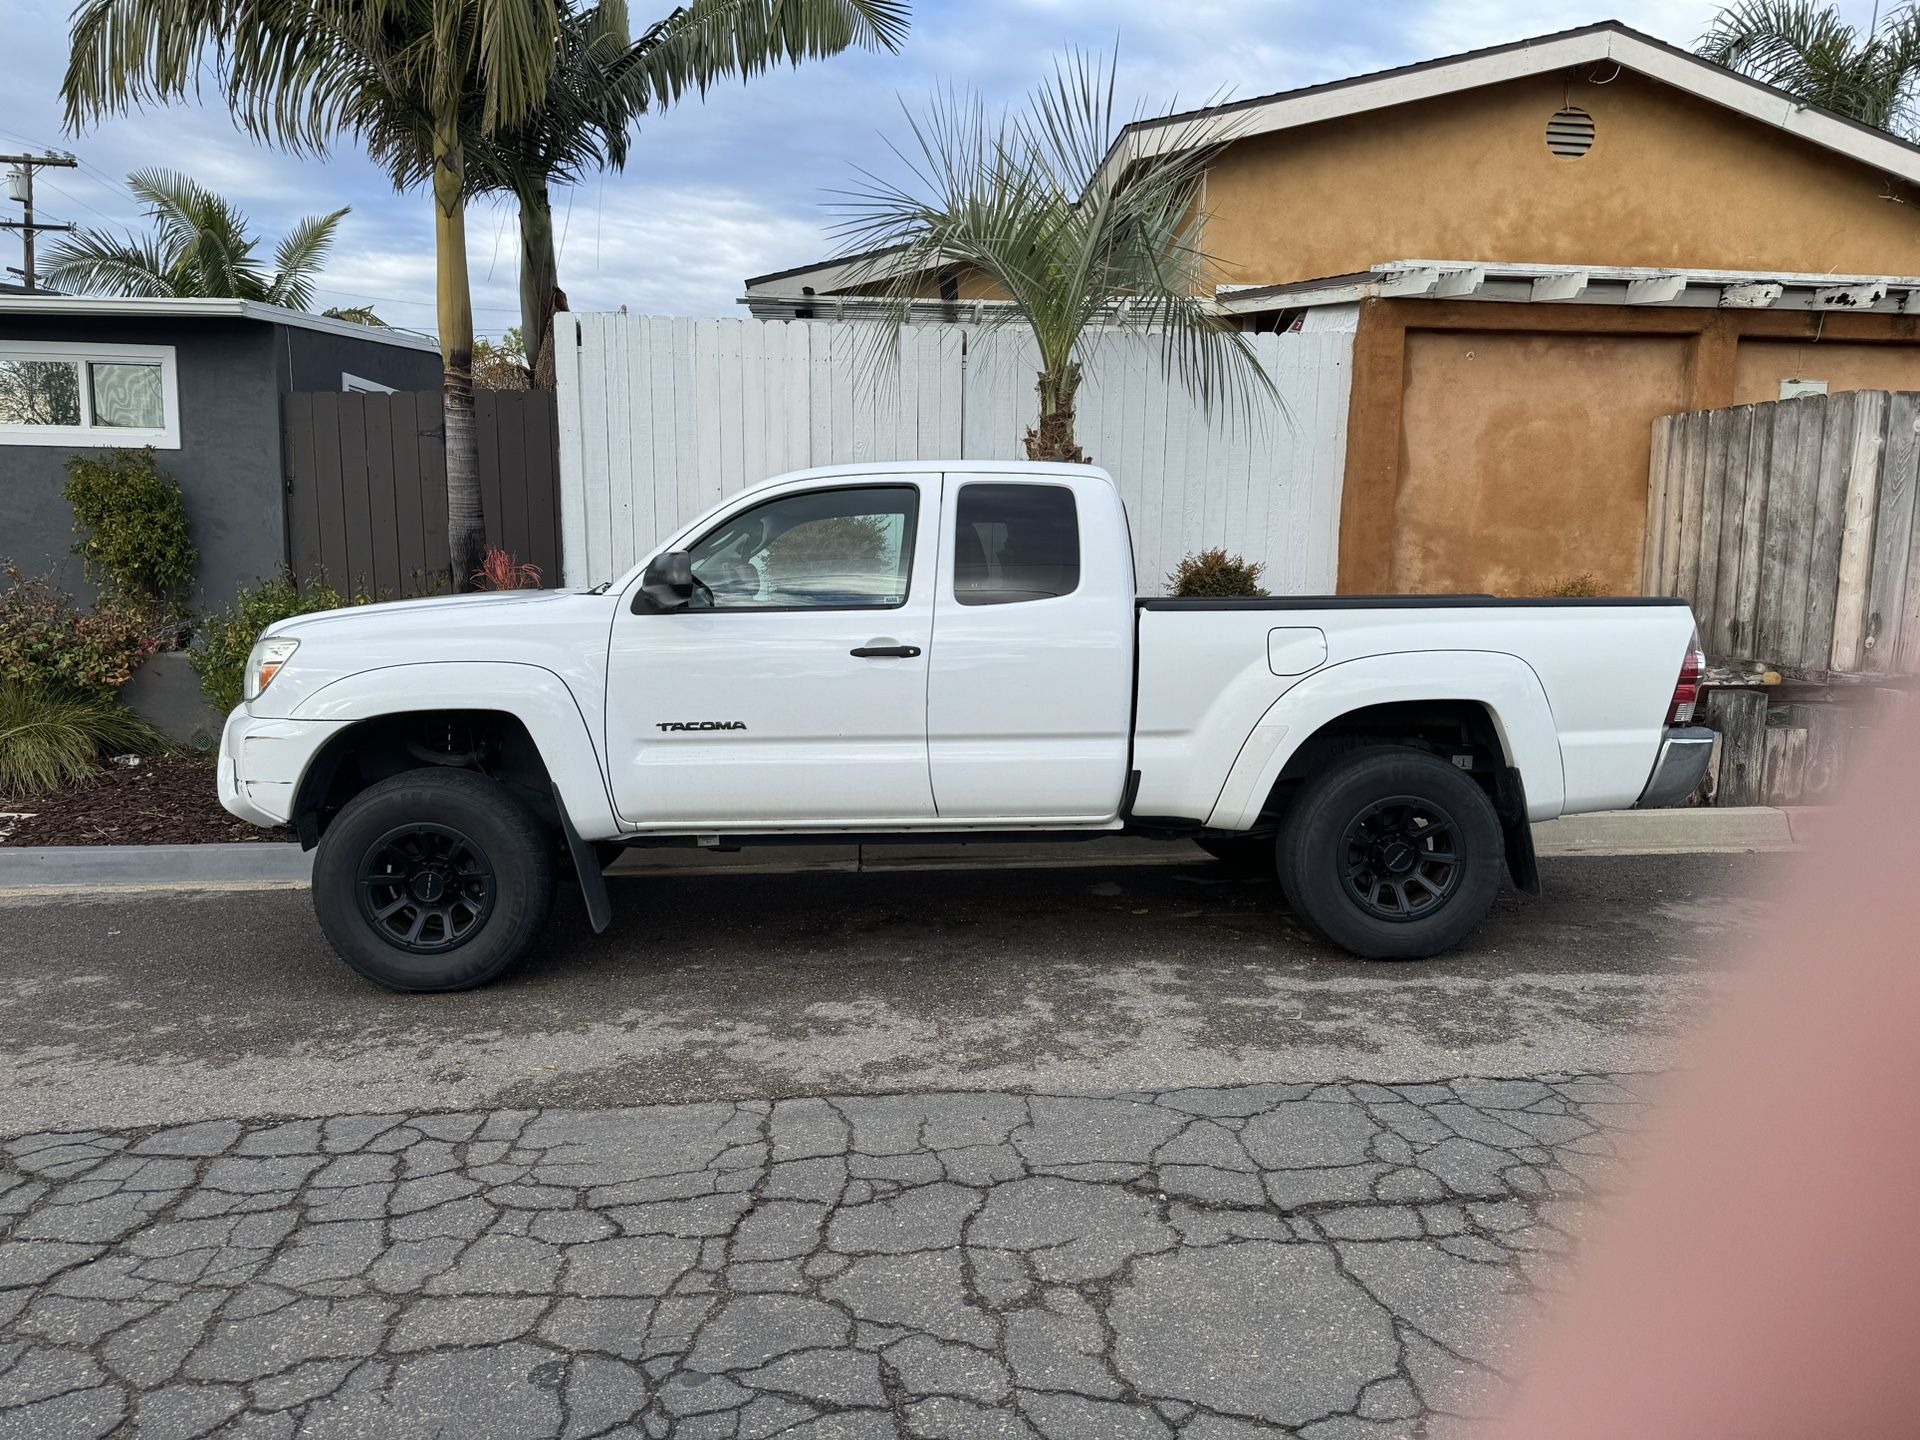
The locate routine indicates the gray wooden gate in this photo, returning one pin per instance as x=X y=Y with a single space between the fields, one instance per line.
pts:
x=367 y=486
x=1790 y=527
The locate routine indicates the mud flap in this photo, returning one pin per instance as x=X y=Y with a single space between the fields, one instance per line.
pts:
x=586 y=864
x=1523 y=866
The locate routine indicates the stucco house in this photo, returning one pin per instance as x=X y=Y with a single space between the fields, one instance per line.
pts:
x=1538 y=248
x=202 y=382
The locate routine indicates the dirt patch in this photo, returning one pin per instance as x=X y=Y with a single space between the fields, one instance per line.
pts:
x=164 y=800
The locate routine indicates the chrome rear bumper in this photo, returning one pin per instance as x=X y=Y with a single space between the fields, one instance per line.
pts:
x=1677 y=771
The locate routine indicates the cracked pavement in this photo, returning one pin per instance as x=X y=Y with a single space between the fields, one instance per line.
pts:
x=1338 y=1262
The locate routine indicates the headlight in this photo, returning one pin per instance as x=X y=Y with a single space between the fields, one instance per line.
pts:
x=268 y=656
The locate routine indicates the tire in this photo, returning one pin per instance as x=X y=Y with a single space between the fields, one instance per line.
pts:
x=482 y=876
x=1249 y=855
x=1351 y=847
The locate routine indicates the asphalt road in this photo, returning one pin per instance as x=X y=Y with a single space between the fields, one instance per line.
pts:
x=168 y=1008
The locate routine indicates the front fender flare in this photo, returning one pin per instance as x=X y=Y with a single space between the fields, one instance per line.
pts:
x=1505 y=684
x=536 y=697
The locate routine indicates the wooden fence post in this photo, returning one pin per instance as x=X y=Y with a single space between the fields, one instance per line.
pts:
x=1741 y=718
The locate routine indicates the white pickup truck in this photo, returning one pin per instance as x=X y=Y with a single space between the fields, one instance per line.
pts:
x=892 y=652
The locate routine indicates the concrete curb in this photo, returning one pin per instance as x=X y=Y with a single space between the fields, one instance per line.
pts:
x=251 y=866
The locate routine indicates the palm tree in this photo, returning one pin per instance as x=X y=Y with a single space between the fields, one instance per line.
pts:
x=600 y=85
x=416 y=81
x=302 y=73
x=1813 y=54
x=199 y=247
x=1080 y=249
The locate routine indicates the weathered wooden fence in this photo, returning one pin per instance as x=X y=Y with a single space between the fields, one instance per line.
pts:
x=367 y=485
x=1790 y=527
x=661 y=418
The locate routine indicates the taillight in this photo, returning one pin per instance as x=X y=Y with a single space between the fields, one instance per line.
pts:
x=1686 y=692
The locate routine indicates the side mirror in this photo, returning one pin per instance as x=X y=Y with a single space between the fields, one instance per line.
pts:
x=667 y=585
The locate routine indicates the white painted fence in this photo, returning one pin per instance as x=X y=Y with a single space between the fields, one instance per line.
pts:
x=661 y=418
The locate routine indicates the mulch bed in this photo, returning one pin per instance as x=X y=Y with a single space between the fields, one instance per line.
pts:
x=164 y=800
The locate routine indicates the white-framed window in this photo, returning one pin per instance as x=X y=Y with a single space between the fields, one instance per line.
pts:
x=55 y=392
x=360 y=385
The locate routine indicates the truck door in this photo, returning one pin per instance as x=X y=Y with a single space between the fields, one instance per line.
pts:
x=793 y=691
x=1029 y=696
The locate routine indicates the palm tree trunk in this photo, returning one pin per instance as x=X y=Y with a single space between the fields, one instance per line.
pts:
x=466 y=523
x=539 y=275
x=1053 y=437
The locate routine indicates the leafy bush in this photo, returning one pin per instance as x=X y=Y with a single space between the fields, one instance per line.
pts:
x=501 y=571
x=132 y=524
x=52 y=737
x=1215 y=572
x=223 y=641
x=48 y=642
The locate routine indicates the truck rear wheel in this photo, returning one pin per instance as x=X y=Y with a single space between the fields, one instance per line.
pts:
x=1391 y=853
x=436 y=879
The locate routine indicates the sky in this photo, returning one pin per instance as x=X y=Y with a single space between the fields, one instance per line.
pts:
x=737 y=184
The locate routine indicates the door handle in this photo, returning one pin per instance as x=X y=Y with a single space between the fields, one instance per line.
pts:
x=894 y=652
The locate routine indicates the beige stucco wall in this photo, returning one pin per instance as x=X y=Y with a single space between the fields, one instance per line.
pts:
x=1669 y=181
x=1760 y=366
x=1518 y=455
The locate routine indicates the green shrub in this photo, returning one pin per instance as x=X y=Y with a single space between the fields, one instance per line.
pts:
x=1215 y=572
x=223 y=642
x=132 y=524
x=48 y=642
x=51 y=737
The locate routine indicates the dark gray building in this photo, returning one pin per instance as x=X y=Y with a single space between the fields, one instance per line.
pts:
x=199 y=380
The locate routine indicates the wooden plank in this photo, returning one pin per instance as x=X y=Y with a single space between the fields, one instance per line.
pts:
x=620 y=493
x=1719 y=603
x=383 y=499
x=573 y=520
x=536 y=414
x=597 y=421
x=510 y=473
x=356 y=502
x=1651 y=579
x=1720 y=464
x=663 y=377
x=331 y=502
x=1830 y=731
x=1786 y=765
x=1738 y=626
x=1789 y=419
x=493 y=509
x=1828 y=524
x=1741 y=718
x=430 y=460
x=1892 y=533
x=1674 y=514
x=1699 y=442
x=1853 y=573
x=303 y=505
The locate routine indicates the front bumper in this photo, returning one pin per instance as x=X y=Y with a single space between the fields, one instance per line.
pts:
x=261 y=762
x=1679 y=768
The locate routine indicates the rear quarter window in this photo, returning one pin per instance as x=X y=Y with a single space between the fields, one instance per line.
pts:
x=1015 y=543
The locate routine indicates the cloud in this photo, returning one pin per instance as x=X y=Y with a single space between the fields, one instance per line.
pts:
x=732 y=185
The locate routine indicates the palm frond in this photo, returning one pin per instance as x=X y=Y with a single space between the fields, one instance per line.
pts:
x=93 y=262
x=1081 y=251
x=298 y=256
x=1810 y=52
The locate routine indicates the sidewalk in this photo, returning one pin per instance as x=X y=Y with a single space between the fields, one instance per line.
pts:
x=280 y=867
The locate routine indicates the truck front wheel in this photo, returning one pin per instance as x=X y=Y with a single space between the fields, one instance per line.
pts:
x=1391 y=853
x=436 y=879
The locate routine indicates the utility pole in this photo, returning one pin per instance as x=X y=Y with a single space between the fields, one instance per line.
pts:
x=20 y=185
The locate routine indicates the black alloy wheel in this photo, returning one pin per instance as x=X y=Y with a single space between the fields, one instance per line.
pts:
x=425 y=888
x=1402 y=858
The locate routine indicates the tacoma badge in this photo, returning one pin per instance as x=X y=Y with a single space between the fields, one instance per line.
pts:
x=701 y=724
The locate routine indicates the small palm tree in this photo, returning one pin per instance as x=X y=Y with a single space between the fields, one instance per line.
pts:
x=1080 y=248
x=1812 y=53
x=199 y=246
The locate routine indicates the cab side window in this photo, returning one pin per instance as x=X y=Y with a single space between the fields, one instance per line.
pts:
x=1013 y=543
x=849 y=549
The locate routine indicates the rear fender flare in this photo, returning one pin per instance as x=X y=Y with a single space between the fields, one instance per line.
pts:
x=1505 y=684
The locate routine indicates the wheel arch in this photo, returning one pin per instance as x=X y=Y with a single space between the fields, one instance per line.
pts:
x=1477 y=703
x=517 y=723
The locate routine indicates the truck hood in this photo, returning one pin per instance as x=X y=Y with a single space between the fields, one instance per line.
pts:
x=441 y=612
